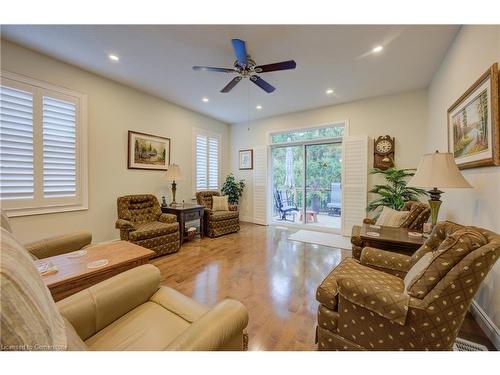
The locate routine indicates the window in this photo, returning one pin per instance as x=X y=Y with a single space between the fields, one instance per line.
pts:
x=207 y=149
x=332 y=131
x=43 y=166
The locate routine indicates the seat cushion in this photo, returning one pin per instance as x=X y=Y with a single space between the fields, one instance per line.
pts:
x=152 y=229
x=327 y=293
x=223 y=215
x=147 y=327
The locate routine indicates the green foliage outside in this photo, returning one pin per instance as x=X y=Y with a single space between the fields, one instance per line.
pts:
x=394 y=193
x=323 y=168
x=233 y=189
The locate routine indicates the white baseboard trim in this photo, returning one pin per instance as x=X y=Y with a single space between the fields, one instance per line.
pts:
x=484 y=321
x=247 y=219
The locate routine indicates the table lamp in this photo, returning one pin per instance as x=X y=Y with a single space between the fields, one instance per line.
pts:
x=437 y=170
x=174 y=173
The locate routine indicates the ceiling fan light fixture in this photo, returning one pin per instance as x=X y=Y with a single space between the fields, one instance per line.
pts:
x=329 y=91
x=205 y=99
x=113 y=57
x=377 y=49
x=258 y=107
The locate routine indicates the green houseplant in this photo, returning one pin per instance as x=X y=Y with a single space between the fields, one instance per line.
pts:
x=394 y=193
x=233 y=189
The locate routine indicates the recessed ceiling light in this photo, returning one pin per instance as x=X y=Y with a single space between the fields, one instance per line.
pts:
x=259 y=107
x=329 y=92
x=113 y=57
x=205 y=100
x=377 y=49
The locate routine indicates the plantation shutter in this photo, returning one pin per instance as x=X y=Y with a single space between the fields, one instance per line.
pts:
x=260 y=185
x=59 y=148
x=16 y=144
x=207 y=160
x=213 y=164
x=201 y=162
x=354 y=181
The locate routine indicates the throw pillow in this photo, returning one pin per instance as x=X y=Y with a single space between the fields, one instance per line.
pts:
x=220 y=203
x=417 y=270
x=391 y=218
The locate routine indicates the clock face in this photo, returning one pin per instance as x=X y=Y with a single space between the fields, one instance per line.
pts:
x=383 y=147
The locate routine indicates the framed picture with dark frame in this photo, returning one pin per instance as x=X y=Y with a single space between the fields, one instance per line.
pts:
x=147 y=151
x=474 y=123
x=246 y=159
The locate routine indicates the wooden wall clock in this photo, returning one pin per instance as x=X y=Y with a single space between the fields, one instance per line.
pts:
x=383 y=152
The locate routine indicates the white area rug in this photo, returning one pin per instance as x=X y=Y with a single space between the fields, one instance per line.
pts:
x=321 y=238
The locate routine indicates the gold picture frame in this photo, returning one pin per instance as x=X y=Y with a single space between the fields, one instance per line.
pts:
x=474 y=123
x=147 y=151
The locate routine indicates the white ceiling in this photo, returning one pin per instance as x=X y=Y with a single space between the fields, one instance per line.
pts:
x=158 y=60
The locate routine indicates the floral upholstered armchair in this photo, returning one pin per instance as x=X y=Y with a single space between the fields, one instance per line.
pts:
x=419 y=214
x=389 y=301
x=218 y=223
x=141 y=221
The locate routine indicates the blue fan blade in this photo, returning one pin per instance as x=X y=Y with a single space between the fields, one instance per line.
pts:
x=262 y=84
x=231 y=84
x=240 y=50
x=283 y=65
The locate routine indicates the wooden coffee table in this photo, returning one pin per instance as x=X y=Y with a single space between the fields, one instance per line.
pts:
x=73 y=275
x=391 y=238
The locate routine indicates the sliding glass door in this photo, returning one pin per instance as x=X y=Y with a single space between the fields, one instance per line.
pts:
x=306 y=169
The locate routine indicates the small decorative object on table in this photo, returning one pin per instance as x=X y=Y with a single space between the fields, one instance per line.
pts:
x=437 y=170
x=174 y=173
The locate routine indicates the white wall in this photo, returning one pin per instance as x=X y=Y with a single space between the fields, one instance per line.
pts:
x=473 y=51
x=113 y=109
x=402 y=116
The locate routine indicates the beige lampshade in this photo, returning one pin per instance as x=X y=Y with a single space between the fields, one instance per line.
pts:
x=174 y=173
x=438 y=170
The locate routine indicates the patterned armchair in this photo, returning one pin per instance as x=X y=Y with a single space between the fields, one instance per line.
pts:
x=365 y=305
x=218 y=223
x=419 y=214
x=141 y=221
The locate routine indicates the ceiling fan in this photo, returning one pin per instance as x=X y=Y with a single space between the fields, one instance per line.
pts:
x=245 y=67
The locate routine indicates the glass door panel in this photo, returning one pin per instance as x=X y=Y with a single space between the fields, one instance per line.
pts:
x=323 y=193
x=287 y=183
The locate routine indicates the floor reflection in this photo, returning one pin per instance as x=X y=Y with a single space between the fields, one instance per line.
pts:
x=276 y=279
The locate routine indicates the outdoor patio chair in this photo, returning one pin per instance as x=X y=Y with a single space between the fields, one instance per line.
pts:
x=284 y=205
x=335 y=205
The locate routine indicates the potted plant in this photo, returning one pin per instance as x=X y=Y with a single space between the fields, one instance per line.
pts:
x=233 y=189
x=395 y=193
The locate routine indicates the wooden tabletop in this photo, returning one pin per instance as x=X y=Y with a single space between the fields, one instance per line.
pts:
x=117 y=253
x=394 y=235
x=185 y=206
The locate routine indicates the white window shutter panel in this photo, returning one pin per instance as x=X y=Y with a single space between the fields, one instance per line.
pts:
x=260 y=185
x=16 y=144
x=354 y=181
x=59 y=148
x=213 y=164
x=201 y=162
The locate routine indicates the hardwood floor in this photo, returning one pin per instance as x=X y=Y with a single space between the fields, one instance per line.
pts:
x=276 y=279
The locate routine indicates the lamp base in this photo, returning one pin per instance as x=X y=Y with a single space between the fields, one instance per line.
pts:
x=435 y=203
x=174 y=190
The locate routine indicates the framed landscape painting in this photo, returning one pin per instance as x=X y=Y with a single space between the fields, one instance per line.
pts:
x=246 y=159
x=146 y=151
x=474 y=124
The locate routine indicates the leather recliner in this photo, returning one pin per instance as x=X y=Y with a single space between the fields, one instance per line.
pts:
x=130 y=311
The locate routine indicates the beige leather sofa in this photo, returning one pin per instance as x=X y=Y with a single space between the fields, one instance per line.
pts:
x=130 y=311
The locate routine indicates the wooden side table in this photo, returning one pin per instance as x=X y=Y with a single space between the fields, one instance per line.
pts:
x=391 y=239
x=186 y=212
x=73 y=275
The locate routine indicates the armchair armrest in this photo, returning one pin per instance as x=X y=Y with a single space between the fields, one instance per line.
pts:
x=94 y=308
x=233 y=207
x=390 y=304
x=387 y=261
x=167 y=218
x=60 y=244
x=124 y=224
x=215 y=329
x=367 y=220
